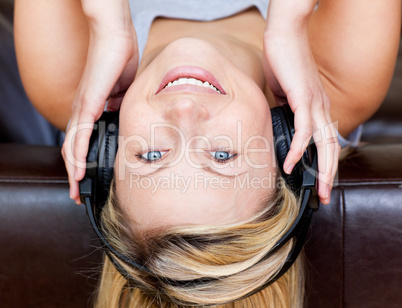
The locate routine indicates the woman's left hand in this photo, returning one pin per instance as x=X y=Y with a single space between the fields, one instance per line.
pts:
x=293 y=74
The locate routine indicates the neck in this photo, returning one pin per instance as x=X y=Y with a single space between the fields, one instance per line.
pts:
x=240 y=37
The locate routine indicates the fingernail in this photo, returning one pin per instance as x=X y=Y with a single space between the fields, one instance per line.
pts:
x=290 y=168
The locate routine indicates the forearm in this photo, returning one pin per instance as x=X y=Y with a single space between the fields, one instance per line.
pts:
x=289 y=15
x=286 y=33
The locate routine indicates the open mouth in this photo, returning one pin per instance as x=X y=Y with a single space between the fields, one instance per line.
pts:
x=192 y=79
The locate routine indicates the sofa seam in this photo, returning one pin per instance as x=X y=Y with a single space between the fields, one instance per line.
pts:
x=360 y=183
x=33 y=180
x=343 y=243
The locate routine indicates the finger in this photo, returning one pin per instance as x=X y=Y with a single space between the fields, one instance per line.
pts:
x=91 y=100
x=83 y=134
x=335 y=166
x=332 y=151
x=327 y=150
x=327 y=109
x=337 y=151
x=325 y=192
x=69 y=163
x=67 y=152
x=301 y=138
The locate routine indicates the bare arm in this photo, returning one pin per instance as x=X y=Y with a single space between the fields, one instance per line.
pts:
x=332 y=64
x=73 y=56
x=51 y=41
x=355 y=44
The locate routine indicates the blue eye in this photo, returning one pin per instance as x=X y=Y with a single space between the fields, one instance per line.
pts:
x=151 y=156
x=222 y=156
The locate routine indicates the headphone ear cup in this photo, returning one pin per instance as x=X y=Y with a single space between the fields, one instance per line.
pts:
x=108 y=128
x=101 y=156
x=283 y=131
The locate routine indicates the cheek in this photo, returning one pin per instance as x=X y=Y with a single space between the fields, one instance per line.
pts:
x=265 y=178
x=255 y=115
x=129 y=116
x=261 y=161
x=258 y=147
x=136 y=118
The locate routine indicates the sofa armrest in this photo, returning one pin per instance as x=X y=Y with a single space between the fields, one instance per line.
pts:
x=355 y=249
x=47 y=247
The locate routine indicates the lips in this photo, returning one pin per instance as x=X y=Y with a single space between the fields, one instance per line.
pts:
x=190 y=72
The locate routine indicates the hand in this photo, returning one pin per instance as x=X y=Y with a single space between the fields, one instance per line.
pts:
x=293 y=74
x=111 y=65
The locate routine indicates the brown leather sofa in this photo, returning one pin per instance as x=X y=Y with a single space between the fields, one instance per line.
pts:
x=49 y=255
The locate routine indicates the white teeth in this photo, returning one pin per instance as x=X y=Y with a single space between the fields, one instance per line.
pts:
x=192 y=81
x=182 y=81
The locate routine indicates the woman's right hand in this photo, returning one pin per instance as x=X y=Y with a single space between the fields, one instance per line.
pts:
x=112 y=62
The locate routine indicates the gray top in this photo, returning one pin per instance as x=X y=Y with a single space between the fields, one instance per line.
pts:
x=143 y=12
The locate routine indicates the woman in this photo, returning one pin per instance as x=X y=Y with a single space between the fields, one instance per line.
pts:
x=182 y=128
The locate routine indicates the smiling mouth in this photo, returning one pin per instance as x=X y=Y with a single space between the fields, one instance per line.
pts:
x=192 y=81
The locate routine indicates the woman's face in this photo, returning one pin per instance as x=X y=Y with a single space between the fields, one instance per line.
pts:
x=191 y=153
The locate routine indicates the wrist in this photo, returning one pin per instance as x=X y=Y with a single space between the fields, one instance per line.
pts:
x=289 y=16
x=105 y=16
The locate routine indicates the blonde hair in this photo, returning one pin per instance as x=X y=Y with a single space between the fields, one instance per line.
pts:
x=230 y=255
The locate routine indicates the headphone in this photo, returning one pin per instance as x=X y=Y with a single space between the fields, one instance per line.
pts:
x=95 y=186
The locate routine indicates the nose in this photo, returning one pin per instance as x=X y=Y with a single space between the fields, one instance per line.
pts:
x=186 y=111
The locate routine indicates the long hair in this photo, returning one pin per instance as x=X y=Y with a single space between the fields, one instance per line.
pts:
x=229 y=254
